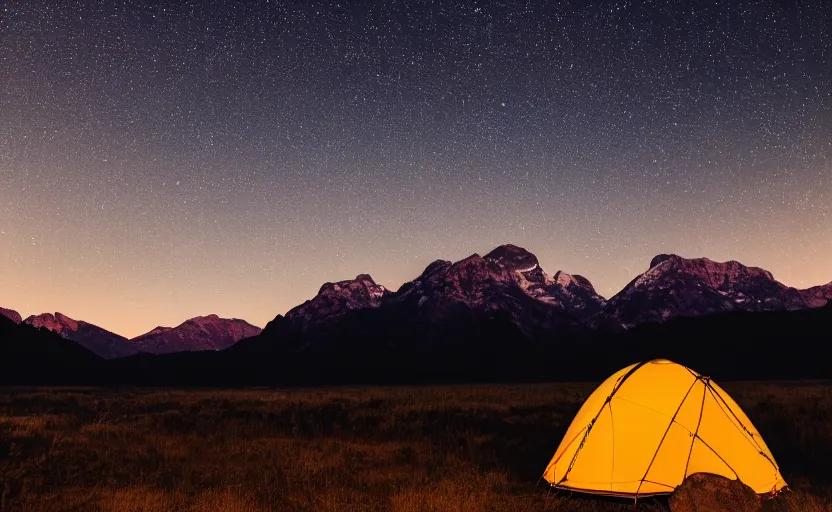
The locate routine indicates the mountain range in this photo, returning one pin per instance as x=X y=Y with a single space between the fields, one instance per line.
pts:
x=510 y=280
x=500 y=312
x=200 y=333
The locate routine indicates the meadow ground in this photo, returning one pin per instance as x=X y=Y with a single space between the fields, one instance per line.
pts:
x=444 y=448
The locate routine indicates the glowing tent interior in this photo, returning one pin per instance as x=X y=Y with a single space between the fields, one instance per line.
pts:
x=651 y=424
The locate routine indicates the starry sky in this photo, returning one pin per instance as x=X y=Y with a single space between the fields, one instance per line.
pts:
x=164 y=160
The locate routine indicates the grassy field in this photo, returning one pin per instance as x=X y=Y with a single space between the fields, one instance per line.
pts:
x=449 y=448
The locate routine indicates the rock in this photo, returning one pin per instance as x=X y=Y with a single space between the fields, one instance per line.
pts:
x=703 y=492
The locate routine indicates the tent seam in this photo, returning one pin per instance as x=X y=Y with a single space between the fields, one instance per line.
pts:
x=612 y=434
x=556 y=460
x=696 y=432
x=719 y=456
x=751 y=435
x=669 y=425
x=741 y=428
x=660 y=413
x=591 y=423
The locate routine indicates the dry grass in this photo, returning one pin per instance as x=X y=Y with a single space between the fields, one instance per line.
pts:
x=449 y=448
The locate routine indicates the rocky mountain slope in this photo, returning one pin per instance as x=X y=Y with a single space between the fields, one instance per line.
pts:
x=100 y=341
x=336 y=299
x=505 y=275
x=502 y=302
x=817 y=296
x=200 y=333
x=675 y=286
x=570 y=293
x=508 y=279
x=11 y=314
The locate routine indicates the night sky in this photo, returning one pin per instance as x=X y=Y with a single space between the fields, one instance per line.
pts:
x=162 y=161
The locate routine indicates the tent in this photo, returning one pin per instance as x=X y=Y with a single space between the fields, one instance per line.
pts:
x=651 y=424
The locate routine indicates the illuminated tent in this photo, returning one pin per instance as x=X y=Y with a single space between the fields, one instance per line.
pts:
x=648 y=426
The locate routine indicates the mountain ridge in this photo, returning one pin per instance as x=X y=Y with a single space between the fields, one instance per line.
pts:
x=209 y=332
x=674 y=286
x=506 y=282
x=92 y=337
x=507 y=276
x=497 y=317
x=11 y=314
x=818 y=296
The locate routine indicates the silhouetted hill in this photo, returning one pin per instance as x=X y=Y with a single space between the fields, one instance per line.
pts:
x=98 y=340
x=381 y=347
x=737 y=345
x=32 y=355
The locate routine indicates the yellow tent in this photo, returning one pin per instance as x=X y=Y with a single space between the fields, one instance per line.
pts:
x=648 y=426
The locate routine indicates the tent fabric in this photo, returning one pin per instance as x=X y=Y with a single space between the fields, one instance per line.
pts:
x=651 y=424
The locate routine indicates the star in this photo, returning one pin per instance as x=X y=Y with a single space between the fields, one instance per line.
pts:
x=319 y=142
